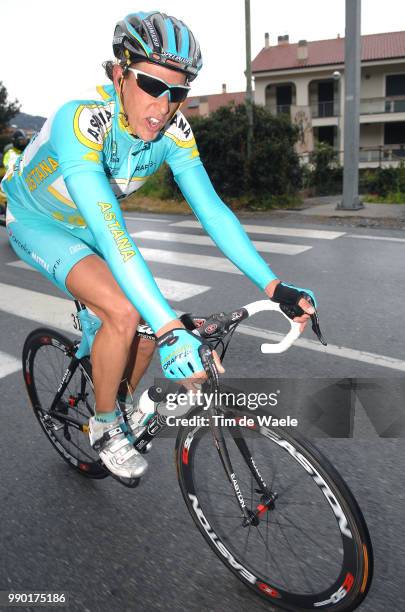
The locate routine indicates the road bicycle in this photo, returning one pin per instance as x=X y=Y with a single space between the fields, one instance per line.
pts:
x=266 y=501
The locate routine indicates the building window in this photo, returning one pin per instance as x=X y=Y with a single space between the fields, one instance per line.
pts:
x=326 y=94
x=326 y=134
x=395 y=85
x=284 y=98
x=394 y=133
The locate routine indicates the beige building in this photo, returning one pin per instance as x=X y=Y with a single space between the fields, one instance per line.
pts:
x=202 y=106
x=307 y=81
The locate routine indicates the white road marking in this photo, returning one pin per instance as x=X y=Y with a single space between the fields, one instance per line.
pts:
x=174 y=291
x=275 y=231
x=39 y=307
x=149 y=220
x=340 y=351
x=188 y=260
x=266 y=247
x=387 y=238
x=54 y=311
x=8 y=364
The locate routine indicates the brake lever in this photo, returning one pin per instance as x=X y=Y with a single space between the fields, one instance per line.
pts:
x=315 y=321
x=209 y=365
x=316 y=328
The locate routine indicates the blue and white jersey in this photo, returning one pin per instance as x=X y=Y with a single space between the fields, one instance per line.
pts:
x=83 y=161
x=88 y=136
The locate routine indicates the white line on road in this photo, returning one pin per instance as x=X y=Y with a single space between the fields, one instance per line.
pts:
x=8 y=364
x=332 y=349
x=275 y=231
x=145 y=219
x=39 y=307
x=174 y=291
x=54 y=311
x=387 y=238
x=188 y=260
x=266 y=247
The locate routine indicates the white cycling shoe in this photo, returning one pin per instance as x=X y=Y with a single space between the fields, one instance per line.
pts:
x=115 y=449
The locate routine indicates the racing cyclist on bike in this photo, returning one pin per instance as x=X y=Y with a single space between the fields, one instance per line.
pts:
x=64 y=217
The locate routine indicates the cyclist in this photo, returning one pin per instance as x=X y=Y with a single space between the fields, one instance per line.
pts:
x=64 y=218
x=14 y=148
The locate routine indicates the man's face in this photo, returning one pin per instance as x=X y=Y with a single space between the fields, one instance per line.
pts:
x=143 y=109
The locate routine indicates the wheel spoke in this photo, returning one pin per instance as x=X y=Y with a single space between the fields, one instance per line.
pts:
x=298 y=559
x=48 y=368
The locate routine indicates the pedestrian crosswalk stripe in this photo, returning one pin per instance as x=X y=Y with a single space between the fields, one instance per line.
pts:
x=189 y=260
x=386 y=238
x=148 y=220
x=8 y=364
x=57 y=312
x=39 y=307
x=265 y=247
x=174 y=291
x=275 y=231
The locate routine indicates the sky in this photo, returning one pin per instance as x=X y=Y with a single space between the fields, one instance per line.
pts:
x=51 y=51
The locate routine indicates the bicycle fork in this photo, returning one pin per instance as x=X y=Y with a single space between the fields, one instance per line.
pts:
x=268 y=498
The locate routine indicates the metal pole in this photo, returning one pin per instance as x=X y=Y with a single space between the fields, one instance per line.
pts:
x=249 y=93
x=351 y=200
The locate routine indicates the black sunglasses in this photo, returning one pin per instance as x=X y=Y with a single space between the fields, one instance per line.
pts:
x=158 y=87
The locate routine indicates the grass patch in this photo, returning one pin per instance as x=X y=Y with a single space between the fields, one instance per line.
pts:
x=391 y=198
x=141 y=201
x=271 y=202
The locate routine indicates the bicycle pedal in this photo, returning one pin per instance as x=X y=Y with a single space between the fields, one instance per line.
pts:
x=146 y=449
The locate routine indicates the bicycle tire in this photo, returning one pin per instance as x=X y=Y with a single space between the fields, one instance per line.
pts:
x=350 y=587
x=35 y=342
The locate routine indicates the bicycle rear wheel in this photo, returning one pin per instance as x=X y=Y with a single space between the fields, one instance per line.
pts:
x=310 y=549
x=46 y=356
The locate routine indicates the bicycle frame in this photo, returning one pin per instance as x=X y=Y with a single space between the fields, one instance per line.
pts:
x=88 y=324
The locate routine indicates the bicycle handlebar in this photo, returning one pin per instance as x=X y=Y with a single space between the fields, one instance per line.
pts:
x=219 y=325
x=289 y=338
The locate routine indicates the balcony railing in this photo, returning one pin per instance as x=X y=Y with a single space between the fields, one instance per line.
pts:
x=368 y=106
x=382 y=153
x=283 y=108
x=324 y=109
x=372 y=106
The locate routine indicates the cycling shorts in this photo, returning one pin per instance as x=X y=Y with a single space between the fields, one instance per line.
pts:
x=46 y=245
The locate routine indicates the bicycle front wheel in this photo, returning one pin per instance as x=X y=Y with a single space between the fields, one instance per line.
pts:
x=46 y=357
x=310 y=548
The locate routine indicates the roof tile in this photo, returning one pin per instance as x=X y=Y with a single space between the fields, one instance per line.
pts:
x=322 y=52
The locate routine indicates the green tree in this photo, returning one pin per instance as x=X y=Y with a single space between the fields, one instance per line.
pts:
x=8 y=110
x=326 y=175
x=274 y=167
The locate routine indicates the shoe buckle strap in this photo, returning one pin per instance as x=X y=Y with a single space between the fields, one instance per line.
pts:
x=106 y=437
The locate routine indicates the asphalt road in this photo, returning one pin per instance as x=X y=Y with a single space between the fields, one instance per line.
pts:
x=138 y=550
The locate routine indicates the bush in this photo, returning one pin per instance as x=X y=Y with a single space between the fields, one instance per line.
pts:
x=325 y=174
x=386 y=183
x=274 y=168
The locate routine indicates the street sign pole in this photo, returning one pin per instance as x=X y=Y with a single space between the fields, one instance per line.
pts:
x=351 y=200
x=249 y=92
